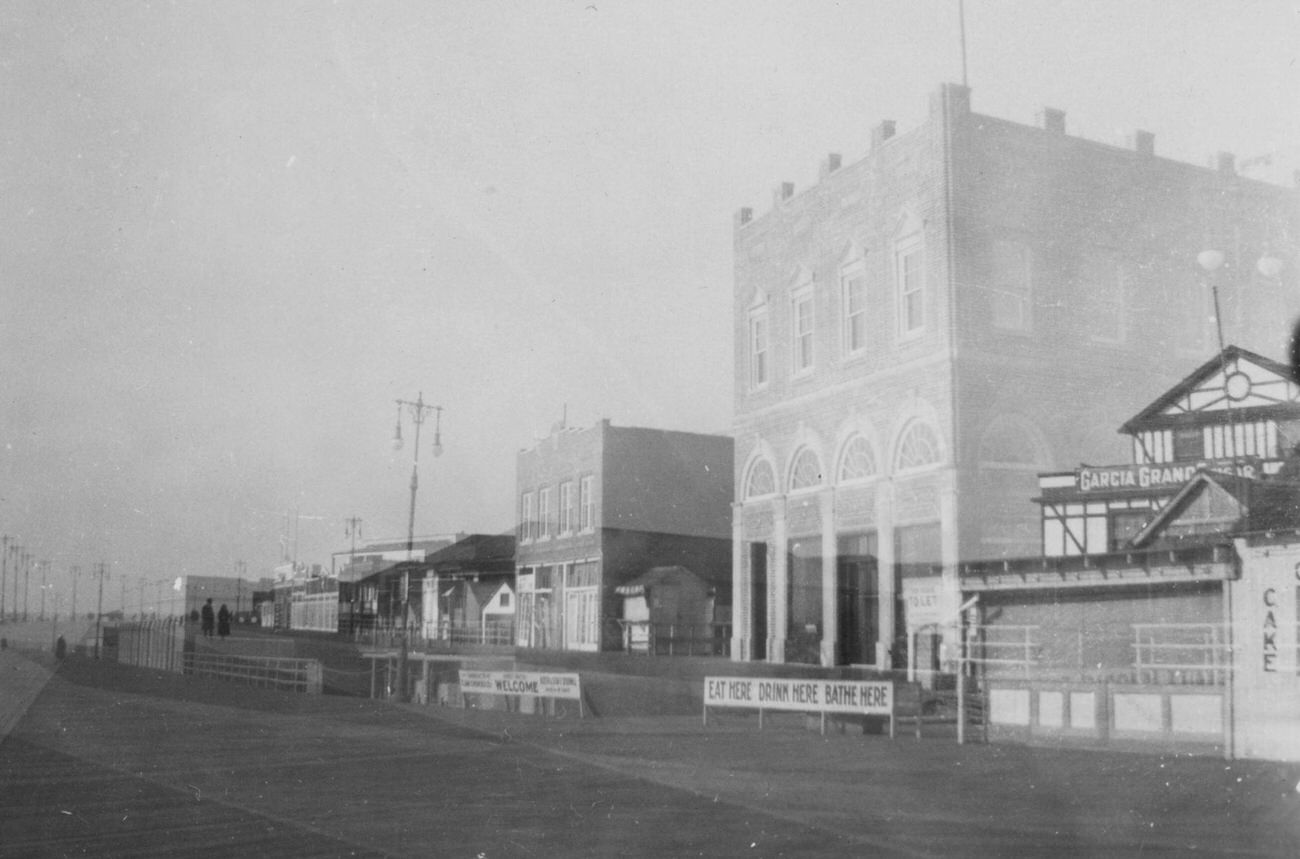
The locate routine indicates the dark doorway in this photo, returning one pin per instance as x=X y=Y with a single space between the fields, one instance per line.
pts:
x=758 y=599
x=857 y=599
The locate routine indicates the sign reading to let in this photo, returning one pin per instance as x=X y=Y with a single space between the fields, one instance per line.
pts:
x=521 y=683
x=868 y=698
x=924 y=601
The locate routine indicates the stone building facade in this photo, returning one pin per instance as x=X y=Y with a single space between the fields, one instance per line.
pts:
x=925 y=330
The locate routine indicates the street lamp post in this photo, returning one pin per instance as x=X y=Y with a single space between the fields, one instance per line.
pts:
x=418 y=412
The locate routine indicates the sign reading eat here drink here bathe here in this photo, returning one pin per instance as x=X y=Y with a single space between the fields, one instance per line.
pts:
x=868 y=698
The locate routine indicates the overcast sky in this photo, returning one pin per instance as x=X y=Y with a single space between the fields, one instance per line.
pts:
x=233 y=234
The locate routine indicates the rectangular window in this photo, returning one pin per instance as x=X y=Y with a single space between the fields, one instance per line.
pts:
x=758 y=351
x=854 y=287
x=911 y=289
x=1189 y=444
x=528 y=517
x=566 y=507
x=801 y=333
x=544 y=513
x=1010 y=287
x=586 y=505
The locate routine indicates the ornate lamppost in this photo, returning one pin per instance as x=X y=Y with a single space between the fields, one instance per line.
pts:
x=418 y=412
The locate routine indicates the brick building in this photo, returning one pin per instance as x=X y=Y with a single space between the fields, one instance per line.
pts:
x=923 y=331
x=601 y=506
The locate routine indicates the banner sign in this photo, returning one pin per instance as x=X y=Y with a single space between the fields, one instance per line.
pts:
x=520 y=683
x=870 y=698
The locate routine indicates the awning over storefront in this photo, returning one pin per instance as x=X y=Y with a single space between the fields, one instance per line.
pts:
x=1218 y=562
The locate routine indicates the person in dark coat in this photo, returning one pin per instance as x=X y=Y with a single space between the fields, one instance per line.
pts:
x=209 y=618
x=223 y=621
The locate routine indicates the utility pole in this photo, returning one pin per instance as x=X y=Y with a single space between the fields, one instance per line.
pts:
x=241 y=568
x=27 y=582
x=45 y=577
x=14 y=550
x=4 y=573
x=101 y=571
x=75 y=572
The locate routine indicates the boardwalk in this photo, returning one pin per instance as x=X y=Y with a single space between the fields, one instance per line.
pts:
x=111 y=761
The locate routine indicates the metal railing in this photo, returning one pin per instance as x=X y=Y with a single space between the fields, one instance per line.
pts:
x=1002 y=646
x=1180 y=653
x=148 y=643
x=295 y=675
x=676 y=639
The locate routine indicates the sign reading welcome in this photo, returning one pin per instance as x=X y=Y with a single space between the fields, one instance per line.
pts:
x=868 y=698
x=520 y=683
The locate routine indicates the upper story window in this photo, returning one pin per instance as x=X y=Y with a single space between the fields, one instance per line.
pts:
x=801 y=331
x=759 y=370
x=1011 y=286
x=918 y=447
x=1100 y=289
x=586 y=504
x=806 y=472
x=544 y=513
x=761 y=480
x=567 y=509
x=853 y=297
x=909 y=270
x=528 y=516
x=858 y=461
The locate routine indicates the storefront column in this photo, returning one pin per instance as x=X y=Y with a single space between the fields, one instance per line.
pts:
x=432 y=605
x=741 y=587
x=830 y=593
x=950 y=629
x=885 y=572
x=778 y=606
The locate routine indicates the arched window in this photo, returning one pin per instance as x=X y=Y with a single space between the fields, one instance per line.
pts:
x=807 y=471
x=762 y=480
x=858 y=461
x=918 y=447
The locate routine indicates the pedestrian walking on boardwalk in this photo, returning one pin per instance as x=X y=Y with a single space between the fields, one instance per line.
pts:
x=223 y=621
x=208 y=618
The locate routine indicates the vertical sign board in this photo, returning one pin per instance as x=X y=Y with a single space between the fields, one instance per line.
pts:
x=861 y=698
x=925 y=602
x=1265 y=675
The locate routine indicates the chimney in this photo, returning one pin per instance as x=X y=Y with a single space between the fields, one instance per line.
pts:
x=1054 y=120
x=1227 y=163
x=783 y=192
x=882 y=132
x=1144 y=143
x=744 y=216
x=831 y=164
